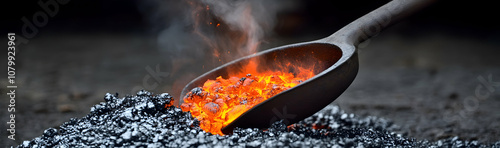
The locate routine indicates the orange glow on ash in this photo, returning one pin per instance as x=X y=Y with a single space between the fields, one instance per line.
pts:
x=218 y=102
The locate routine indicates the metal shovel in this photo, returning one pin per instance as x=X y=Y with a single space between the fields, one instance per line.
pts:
x=337 y=55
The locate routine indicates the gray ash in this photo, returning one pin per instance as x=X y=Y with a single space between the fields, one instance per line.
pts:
x=143 y=120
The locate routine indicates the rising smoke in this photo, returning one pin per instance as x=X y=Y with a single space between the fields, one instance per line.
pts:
x=198 y=35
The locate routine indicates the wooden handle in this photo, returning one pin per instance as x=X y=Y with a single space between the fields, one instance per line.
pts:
x=377 y=20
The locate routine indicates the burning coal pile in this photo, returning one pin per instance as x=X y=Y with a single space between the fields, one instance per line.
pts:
x=221 y=101
x=150 y=120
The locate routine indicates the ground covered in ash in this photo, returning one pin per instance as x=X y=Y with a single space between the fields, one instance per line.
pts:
x=143 y=120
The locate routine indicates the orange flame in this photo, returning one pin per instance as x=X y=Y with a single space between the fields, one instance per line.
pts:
x=221 y=101
x=218 y=102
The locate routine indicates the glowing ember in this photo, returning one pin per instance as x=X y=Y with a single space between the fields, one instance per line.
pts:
x=221 y=101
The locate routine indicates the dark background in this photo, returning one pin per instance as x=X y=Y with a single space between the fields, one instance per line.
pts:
x=317 y=15
x=416 y=73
